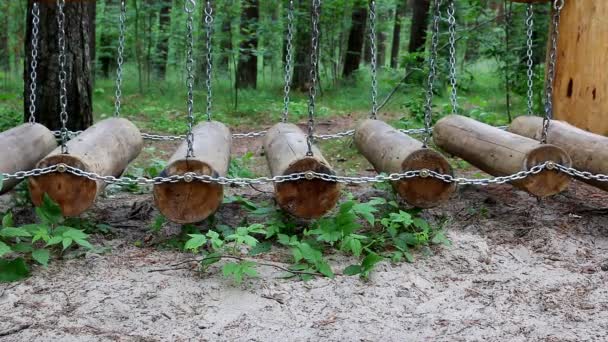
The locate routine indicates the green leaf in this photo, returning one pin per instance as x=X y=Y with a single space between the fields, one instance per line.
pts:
x=256 y=229
x=13 y=270
x=249 y=240
x=22 y=247
x=4 y=249
x=420 y=223
x=75 y=234
x=66 y=242
x=49 y=212
x=325 y=269
x=370 y=262
x=440 y=238
x=353 y=270
x=1 y=181
x=261 y=248
x=84 y=243
x=7 y=220
x=42 y=256
x=54 y=240
x=196 y=241
x=239 y=270
x=211 y=259
x=14 y=232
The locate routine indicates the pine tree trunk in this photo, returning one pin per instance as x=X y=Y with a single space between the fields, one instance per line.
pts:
x=355 y=40
x=226 y=39
x=162 y=46
x=247 y=68
x=420 y=16
x=80 y=56
x=301 y=71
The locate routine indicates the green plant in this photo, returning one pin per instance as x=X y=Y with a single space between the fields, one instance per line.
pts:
x=238 y=167
x=36 y=242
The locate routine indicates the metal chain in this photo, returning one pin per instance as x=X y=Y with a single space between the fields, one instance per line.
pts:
x=428 y=107
x=288 y=60
x=34 y=62
x=316 y=4
x=190 y=7
x=557 y=10
x=209 y=58
x=452 y=43
x=374 y=58
x=63 y=92
x=529 y=55
x=120 y=58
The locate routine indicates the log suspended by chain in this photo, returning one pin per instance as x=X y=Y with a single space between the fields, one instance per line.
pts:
x=285 y=147
x=589 y=151
x=105 y=148
x=502 y=153
x=16 y=154
x=190 y=202
x=391 y=151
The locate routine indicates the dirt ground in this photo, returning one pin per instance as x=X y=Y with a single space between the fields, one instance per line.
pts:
x=518 y=270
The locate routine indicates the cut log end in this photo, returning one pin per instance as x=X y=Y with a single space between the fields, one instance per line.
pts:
x=191 y=202
x=307 y=199
x=425 y=192
x=547 y=182
x=74 y=194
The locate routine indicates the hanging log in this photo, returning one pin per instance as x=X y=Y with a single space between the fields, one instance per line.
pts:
x=285 y=147
x=105 y=148
x=501 y=153
x=21 y=148
x=190 y=202
x=589 y=152
x=391 y=151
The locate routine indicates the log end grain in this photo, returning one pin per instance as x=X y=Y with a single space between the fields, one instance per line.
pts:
x=547 y=182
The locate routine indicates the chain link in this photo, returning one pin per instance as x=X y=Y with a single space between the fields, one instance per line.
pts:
x=189 y=8
x=428 y=107
x=288 y=60
x=316 y=4
x=374 y=58
x=557 y=10
x=209 y=58
x=452 y=43
x=34 y=62
x=63 y=92
x=529 y=55
x=120 y=58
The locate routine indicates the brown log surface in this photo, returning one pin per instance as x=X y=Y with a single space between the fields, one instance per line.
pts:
x=502 y=153
x=105 y=148
x=391 y=151
x=21 y=148
x=589 y=151
x=192 y=202
x=285 y=147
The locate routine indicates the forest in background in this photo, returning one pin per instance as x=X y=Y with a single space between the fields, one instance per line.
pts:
x=249 y=54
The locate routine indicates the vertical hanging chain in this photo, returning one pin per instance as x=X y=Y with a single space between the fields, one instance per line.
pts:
x=34 y=62
x=557 y=10
x=314 y=54
x=120 y=58
x=190 y=7
x=63 y=92
x=209 y=57
x=428 y=107
x=529 y=55
x=288 y=60
x=374 y=58
x=452 y=43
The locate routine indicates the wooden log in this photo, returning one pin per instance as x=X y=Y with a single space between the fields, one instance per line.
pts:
x=285 y=147
x=391 y=151
x=502 y=153
x=190 y=202
x=580 y=94
x=105 y=148
x=589 y=151
x=21 y=148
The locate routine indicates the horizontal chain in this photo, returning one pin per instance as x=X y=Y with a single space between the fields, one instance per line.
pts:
x=310 y=175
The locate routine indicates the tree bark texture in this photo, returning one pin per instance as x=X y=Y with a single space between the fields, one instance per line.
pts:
x=356 y=39
x=247 y=69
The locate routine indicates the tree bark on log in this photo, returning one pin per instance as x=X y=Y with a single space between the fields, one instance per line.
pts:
x=501 y=153
x=190 y=202
x=285 y=147
x=21 y=148
x=391 y=151
x=589 y=151
x=105 y=148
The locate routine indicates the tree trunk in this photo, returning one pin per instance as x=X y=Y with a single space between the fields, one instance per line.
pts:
x=106 y=51
x=226 y=39
x=381 y=38
x=396 y=43
x=420 y=16
x=4 y=49
x=162 y=46
x=80 y=54
x=301 y=70
x=356 y=38
x=247 y=68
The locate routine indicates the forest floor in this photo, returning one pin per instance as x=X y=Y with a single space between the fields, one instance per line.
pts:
x=518 y=269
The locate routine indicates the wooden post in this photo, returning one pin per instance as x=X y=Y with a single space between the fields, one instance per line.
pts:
x=501 y=153
x=21 y=148
x=190 y=202
x=105 y=148
x=391 y=151
x=589 y=152
x=285 y=147
x=581 y=82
